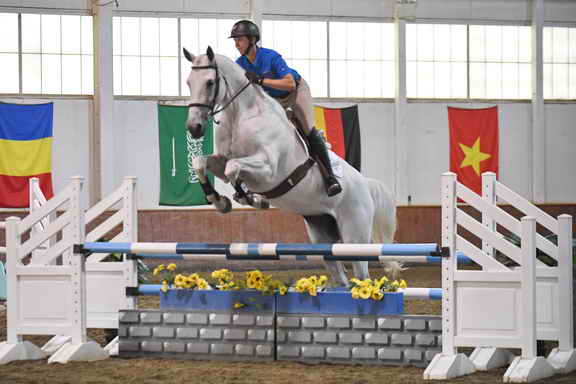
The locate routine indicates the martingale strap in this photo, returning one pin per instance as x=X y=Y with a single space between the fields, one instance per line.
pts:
x=291 y=181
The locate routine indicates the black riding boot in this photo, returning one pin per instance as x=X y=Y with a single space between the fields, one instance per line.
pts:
x=320 y=153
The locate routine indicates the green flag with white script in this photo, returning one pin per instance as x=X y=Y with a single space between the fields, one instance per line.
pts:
x=179 y=183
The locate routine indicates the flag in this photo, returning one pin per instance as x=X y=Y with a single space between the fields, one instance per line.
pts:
x=179 y=183
x=25 y=151
x=473 y=144
x=342 y=130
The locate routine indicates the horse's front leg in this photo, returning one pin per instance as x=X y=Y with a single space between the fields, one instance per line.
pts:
x=222 y=203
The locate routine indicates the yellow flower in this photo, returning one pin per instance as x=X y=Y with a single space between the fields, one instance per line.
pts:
x=322 y=280
x=202 y=284
x=179 y=280
x=312 y=290
x=164 y=287
x=171 y=267
x=355 y=293
x=364 y=292
x=238 y=305
x=403 y=284
x=282 y=290
x=377 y=295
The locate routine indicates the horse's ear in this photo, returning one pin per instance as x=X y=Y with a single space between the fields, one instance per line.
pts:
x=188 y=55
x=210 y=53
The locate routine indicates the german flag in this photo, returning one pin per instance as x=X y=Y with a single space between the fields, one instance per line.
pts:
x=342 y=130
x=25 y=151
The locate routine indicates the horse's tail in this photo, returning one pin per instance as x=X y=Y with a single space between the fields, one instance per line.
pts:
x=384 y=225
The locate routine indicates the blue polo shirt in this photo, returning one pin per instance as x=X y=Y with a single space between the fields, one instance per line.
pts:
x=269 y=64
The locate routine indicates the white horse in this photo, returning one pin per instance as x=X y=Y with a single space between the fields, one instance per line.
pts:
x=258 y=145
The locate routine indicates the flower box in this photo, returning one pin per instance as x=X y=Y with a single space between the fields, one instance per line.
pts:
x=336 y=302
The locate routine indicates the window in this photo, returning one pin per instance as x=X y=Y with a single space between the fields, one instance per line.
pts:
x=197 y=34
x=57 y=54
x=362 y=59
x=559 y=47
x=10 y=73
x=436 y=61
x=500 y=62
x=303 y=44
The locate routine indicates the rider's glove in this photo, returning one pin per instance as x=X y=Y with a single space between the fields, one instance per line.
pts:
x=254 y=78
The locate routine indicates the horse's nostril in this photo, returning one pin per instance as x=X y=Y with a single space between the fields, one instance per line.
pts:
x=198 y=127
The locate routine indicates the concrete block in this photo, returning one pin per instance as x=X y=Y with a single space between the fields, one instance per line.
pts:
x=220 y=318
x=174 y=347
x=129 y=317
x=401 y=339
x=350 y=338
x=197 y=318
x=166 y=332
x=413 y=355
x=244 y=350
x=243 y=319
x=288 y=351
x=234 y=334
x=210 y=333
x=390 y=323
x=325 y=337
x=363 y=353
x=264 y=350
x=363 y=323
x=140 y=331
x=415 y=324
x=288 y=322
x=390 y=354
x=123 y=331
x=150 y=317
x=198 y=348
x=299 y=337
x=129 y=346
x=222 y=349
x=338 y=322
x=187 y=333
x=425 y=340
x=376 y=338
x=256 y=334
x=313 y=322
x=429 y=354
x=439 y=340
x=313 y=352
x=151 y=346
x=280 y=335
x=264 y=321
x=338 y=353
x=173 y=318
x=435 y=325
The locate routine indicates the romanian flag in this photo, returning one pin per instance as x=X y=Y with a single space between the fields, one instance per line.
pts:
x=341 y=128
x=473 y=144
x=25 y=151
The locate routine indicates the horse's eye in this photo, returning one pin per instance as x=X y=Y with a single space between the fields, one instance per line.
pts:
x=210 y=83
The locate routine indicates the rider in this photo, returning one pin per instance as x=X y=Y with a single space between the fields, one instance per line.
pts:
x=268 y=69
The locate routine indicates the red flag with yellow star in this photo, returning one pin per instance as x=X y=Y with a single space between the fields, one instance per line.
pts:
x=473 y=144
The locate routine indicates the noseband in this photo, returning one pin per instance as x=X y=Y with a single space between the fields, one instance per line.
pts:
x=212 y=107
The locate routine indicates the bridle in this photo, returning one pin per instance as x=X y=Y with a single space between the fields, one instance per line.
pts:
x=212 y=106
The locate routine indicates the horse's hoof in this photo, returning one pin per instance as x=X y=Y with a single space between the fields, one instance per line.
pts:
x=224 y=204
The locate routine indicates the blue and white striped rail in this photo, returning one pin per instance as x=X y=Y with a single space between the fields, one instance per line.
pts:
x=270 y=251
x=409 y=293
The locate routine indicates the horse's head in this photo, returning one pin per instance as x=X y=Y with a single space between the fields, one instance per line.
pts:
x=204 y=84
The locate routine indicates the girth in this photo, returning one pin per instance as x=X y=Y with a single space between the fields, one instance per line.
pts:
x=291 y=181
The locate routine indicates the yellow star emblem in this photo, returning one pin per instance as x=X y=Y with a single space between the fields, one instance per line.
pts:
x=473 y=156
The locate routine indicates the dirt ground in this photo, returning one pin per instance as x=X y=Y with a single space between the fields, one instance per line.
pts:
x=121 y=370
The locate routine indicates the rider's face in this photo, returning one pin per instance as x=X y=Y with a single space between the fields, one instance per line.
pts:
x=242 y=43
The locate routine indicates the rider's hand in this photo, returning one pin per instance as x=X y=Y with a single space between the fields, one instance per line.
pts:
x=254 y=78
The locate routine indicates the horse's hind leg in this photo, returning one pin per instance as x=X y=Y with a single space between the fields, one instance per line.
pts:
x=323 y=229
x=353 y=230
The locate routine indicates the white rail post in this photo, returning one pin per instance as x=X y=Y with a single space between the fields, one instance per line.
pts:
x=528 y=285
x=131 y=227
x=489 y=195
x=12 y=261
x=77 y=235
x=448 y=264
x=565 y=281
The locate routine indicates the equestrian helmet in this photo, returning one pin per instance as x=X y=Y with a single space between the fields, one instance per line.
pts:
x=245 y=28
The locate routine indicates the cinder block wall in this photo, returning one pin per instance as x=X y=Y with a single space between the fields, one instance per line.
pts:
x=208 y=335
